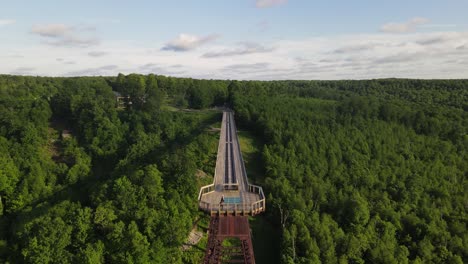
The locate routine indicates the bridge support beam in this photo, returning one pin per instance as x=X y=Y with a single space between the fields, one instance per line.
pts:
x=222 y=227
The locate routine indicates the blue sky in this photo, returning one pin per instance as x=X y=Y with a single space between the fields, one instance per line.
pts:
x=236 y=39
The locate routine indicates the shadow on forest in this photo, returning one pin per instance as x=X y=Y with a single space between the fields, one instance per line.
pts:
x=80 y=191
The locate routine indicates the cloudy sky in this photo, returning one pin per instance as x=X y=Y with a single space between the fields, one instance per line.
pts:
x=236 y=39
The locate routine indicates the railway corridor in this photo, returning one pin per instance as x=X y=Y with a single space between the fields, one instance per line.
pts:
x=230 y=199
x=230 y=179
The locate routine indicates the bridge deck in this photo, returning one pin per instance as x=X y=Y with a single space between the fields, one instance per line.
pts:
x=230 y=180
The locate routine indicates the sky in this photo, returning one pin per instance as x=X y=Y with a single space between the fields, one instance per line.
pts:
x=236 y=39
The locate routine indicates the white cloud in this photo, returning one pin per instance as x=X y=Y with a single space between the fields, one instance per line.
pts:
x=15 y=55
x=354 y=48
x=97 y=53
x=186 y=42
x=357 y=56
x=438 y=26
x=406 y=27
x=5 y=22
x=161 y=69
x=462 y=47
x=105 y=70
x=247 y=68
x=269 y=3
x=243 y=49
x=51 y=30
x=63 y=35
x=23 y=71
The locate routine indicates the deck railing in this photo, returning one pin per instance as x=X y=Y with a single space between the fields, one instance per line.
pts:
x=206 y=189
x=233 y=208
x=257 y=189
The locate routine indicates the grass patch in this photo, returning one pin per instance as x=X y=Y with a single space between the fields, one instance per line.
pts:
x=251 y=148
x=217 y=125
x=169 y=108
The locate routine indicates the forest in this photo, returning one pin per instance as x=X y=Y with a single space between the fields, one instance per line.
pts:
x=354 y=171
x=363 y=171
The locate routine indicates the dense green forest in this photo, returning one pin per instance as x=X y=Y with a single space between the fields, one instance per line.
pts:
x=363 y=171
x=85 y=181
x=354 y=171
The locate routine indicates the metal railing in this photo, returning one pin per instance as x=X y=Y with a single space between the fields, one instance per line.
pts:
x=233 y=208
x=257 y=189
x=206 y=189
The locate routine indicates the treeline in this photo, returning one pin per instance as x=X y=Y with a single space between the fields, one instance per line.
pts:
x=428 y=92
x=363 y=171
x=85 y=181
x=181 y=92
